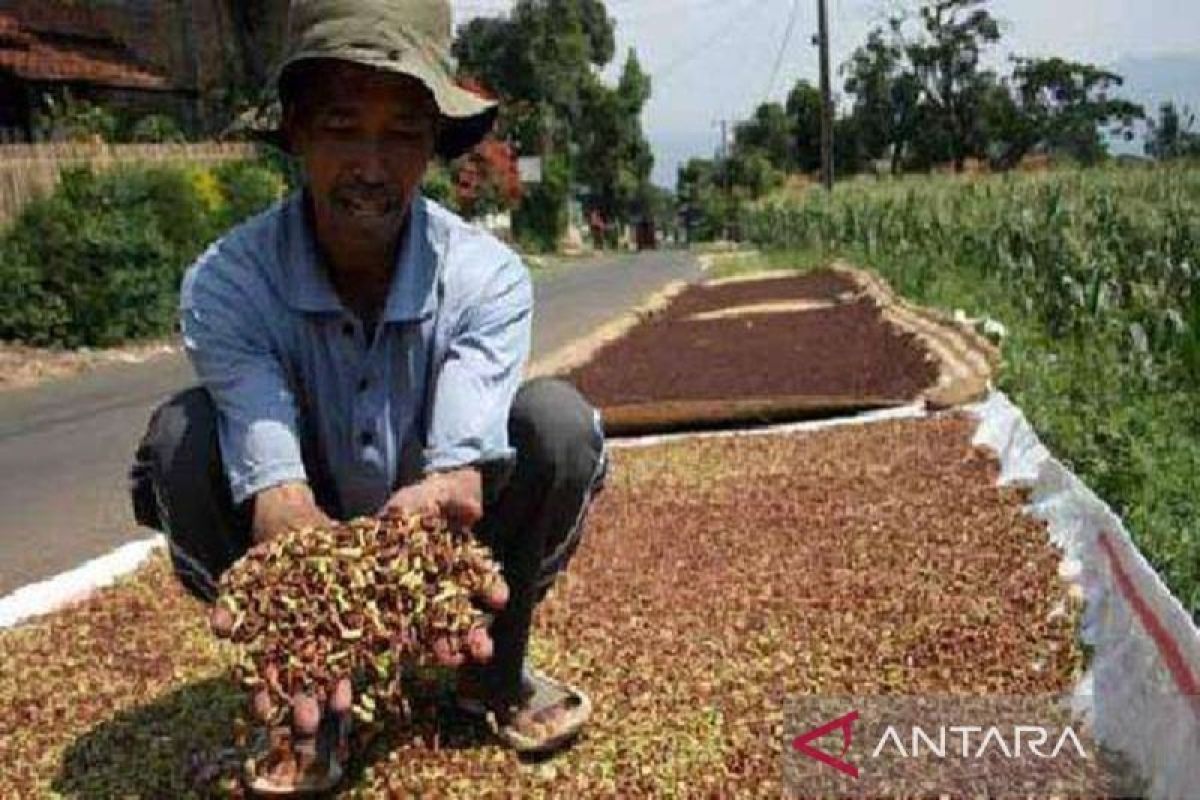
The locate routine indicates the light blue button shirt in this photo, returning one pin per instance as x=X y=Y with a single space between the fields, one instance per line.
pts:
x=295 y=380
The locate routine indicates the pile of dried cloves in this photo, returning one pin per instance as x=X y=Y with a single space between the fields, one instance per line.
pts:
x=358 y=601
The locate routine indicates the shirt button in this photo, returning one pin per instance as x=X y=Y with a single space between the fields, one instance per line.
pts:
x=366 y=439
x=363 y=385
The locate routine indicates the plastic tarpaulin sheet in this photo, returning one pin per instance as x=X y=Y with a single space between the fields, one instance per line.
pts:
x=1140 y=694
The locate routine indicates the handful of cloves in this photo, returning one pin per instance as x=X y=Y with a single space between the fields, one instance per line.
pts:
x=358 y=601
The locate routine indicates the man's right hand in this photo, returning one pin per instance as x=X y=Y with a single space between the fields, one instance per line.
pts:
x=298 y=753
x=285 y=507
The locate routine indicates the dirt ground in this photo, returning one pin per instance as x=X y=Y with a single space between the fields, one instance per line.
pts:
x=22 y=366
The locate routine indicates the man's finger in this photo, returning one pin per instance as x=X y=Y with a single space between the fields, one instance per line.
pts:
x=306 y=715
x=341 y=698
x=221 y=622
x=463 y=513
x=495 y=596
x=447 y=653
x=479 y=643
x=263 y=705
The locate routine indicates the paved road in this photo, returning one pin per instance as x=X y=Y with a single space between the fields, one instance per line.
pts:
x=65 y=447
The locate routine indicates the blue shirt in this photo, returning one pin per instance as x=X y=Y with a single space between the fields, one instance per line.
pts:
x=296 y=381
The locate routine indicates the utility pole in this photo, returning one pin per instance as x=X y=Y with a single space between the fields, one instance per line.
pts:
x=727 y=177
x=826 y=98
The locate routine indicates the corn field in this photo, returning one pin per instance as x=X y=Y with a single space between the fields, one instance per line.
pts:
x=28 y=171
x=1088 y=248
x=1096 y=273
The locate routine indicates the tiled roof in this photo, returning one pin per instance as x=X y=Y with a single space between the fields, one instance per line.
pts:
x=39 y=57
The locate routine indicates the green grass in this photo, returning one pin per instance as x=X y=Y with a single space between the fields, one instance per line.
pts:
x=1096 y=275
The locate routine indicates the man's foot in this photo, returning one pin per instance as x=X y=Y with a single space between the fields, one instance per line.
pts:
x=550 y=715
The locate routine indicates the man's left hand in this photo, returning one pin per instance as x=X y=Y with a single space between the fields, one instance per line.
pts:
x=457 y=497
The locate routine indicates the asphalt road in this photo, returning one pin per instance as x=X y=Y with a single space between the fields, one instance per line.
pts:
x=65 y=446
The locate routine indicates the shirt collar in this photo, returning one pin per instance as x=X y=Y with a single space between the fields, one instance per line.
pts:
x=412 y=293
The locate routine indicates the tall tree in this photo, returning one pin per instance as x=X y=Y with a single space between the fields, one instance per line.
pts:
x=540 y=60
x=886 y=95
x=804 y=109
x=543 y=60
x=946 y=60
x=615 y=160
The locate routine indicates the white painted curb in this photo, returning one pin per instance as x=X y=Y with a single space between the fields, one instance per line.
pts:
x=70 y=587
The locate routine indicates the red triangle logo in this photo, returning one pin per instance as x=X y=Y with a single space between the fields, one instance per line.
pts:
x=802 y=744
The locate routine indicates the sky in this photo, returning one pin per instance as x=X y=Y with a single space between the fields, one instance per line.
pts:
x=718 y=59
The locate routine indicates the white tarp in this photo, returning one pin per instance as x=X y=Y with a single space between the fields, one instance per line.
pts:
x=1140 y=692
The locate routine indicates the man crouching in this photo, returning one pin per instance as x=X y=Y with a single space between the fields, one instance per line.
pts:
x=360 y=352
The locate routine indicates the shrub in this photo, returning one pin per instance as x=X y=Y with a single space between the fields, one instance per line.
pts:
x=157 y=129
x=248 y=188
x=100 y=261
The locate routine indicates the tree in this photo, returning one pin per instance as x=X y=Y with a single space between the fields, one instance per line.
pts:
x=1058 y=106
x=886 y=96
x=1173 y=135
x=703 y=200
x=770 y=132
x=804 y=109
x=615 y=159
x=946 y=62
x=542 y=61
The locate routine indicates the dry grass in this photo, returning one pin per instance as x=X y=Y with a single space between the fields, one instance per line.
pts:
x=22 y=366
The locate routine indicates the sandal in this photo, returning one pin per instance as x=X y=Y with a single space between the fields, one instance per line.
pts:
x=317 y=779
x=540 y=692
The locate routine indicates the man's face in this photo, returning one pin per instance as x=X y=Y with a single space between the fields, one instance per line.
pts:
x=365 y=138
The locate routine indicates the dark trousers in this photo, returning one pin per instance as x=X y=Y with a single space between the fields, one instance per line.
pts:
x=533 y=517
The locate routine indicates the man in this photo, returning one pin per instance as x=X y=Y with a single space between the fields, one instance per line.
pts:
x=360 y=351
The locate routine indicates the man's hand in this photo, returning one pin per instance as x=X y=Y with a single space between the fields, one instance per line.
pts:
x=300 y=750
x=456 y=497
x=285 y=507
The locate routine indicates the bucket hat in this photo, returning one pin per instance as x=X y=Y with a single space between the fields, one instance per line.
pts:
x=406 y=37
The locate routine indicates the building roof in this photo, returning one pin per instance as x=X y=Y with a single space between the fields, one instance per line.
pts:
x=50 y=58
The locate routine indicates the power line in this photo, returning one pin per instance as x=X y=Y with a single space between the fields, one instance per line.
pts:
x=787 y=37
x=826 y=97
x=735 y=20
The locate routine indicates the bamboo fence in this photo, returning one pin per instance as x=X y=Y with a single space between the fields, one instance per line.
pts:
x=28 y=171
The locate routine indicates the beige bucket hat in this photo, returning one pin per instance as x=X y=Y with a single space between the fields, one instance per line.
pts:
x=408 y=37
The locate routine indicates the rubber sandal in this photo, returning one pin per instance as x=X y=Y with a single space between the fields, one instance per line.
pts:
x=308 y=784
x=544 y=693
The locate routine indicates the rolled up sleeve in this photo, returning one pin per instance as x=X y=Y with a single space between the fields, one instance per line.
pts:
x=477 y=381
x=227 y=341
